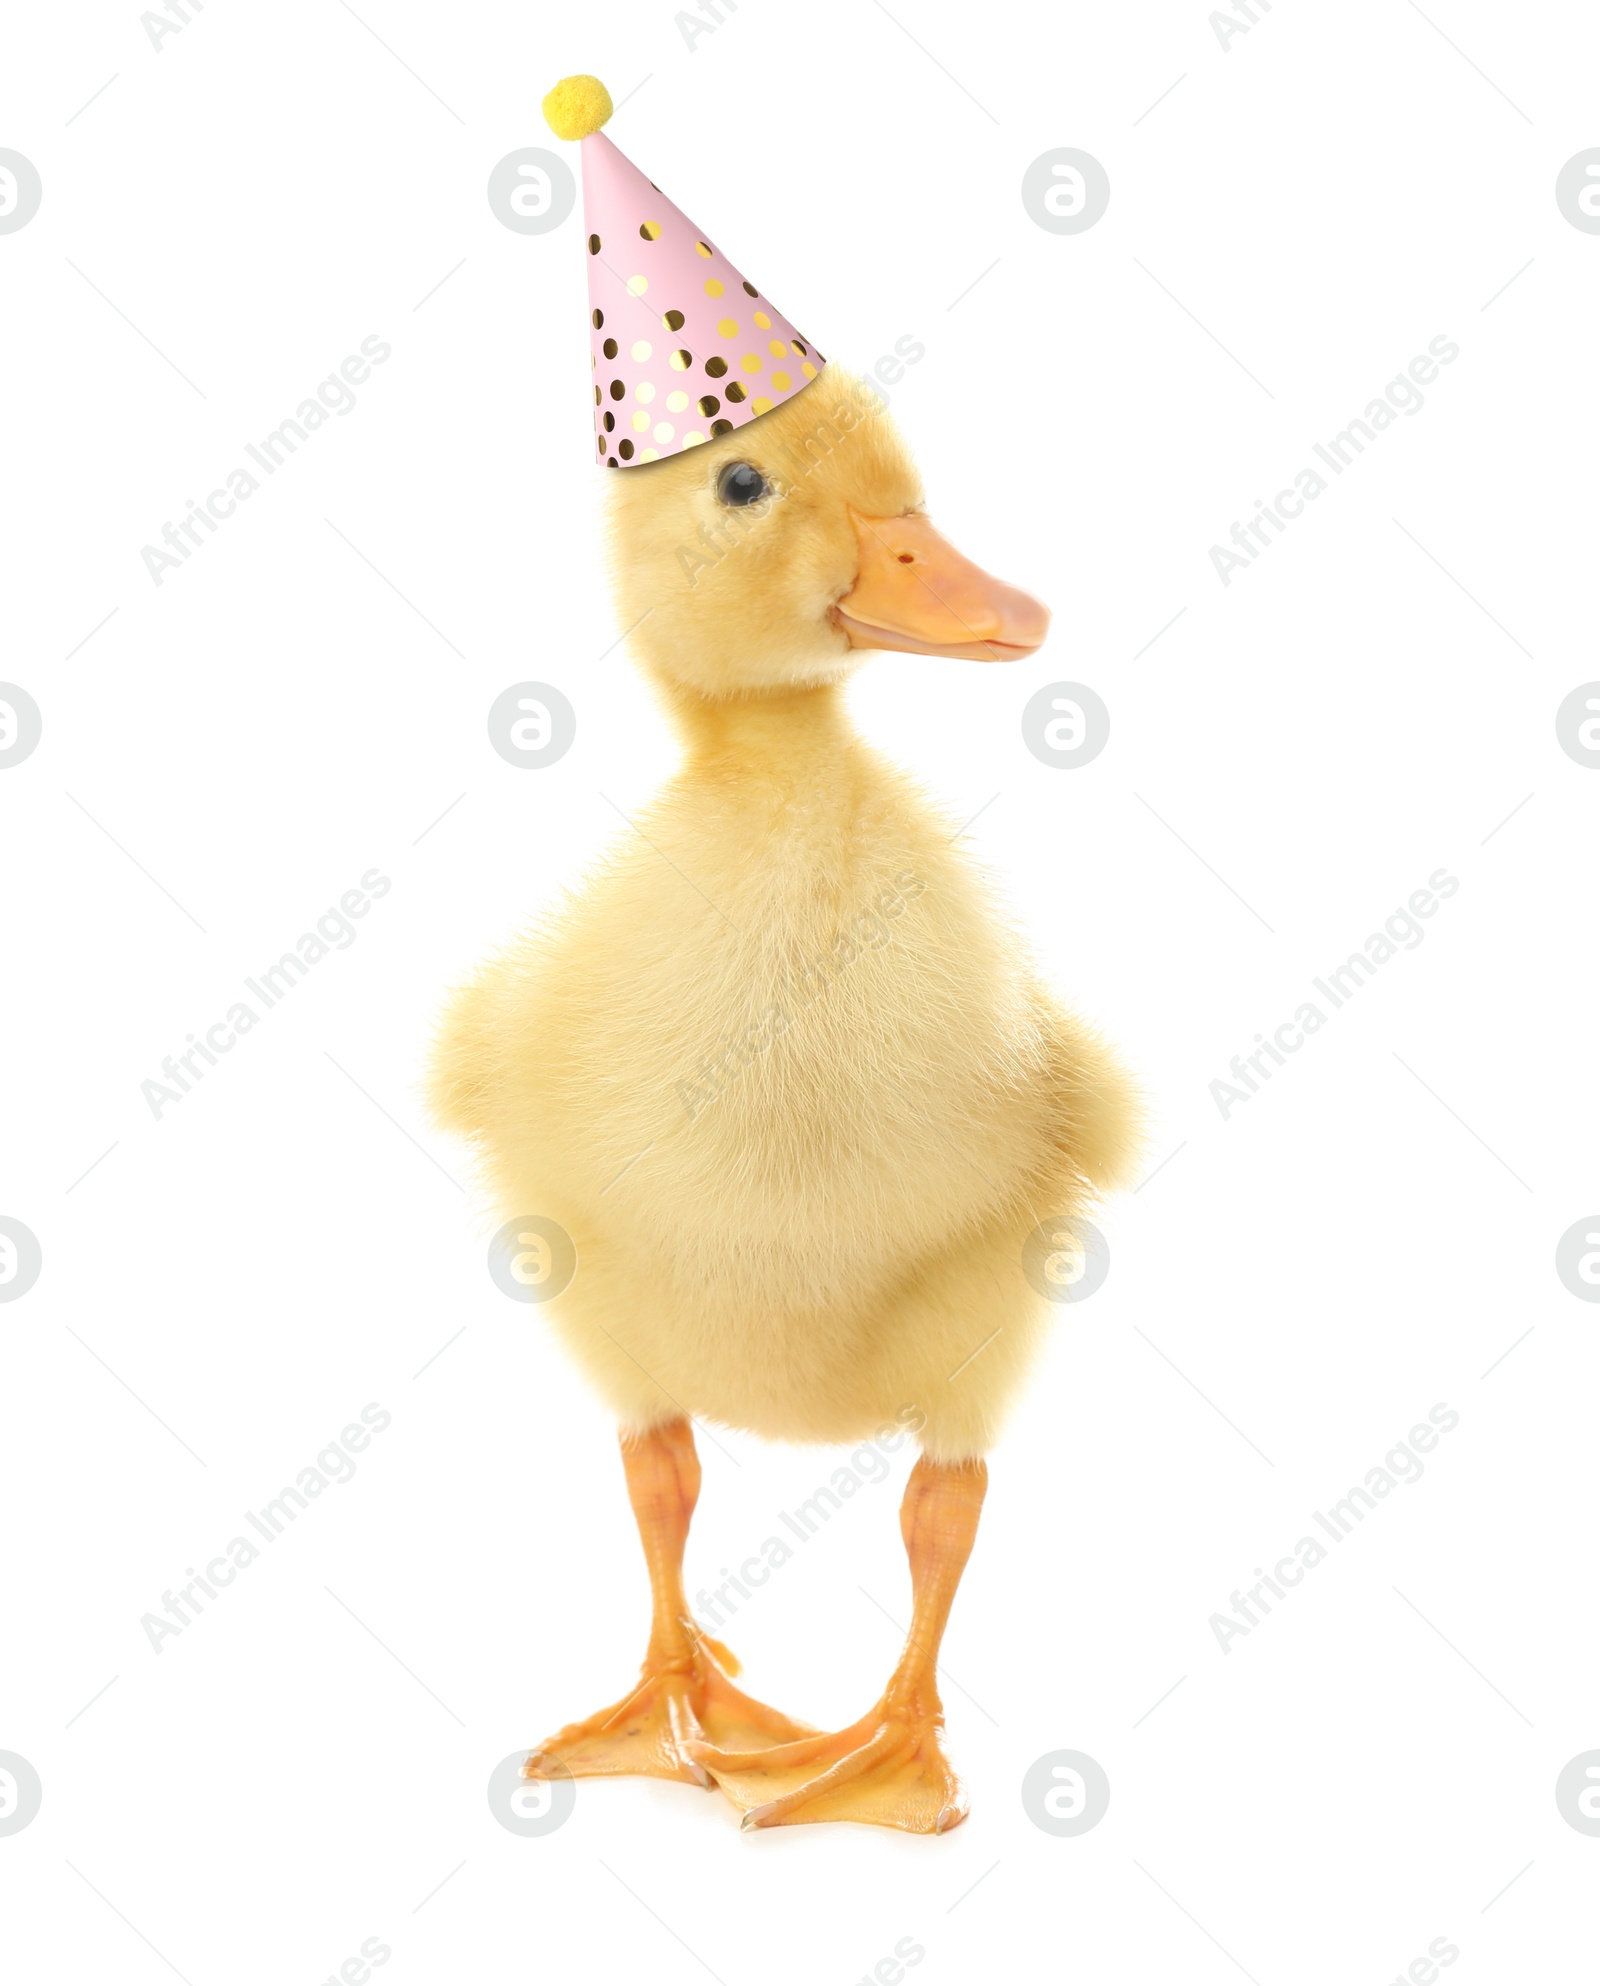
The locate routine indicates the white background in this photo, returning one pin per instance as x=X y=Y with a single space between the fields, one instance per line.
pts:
x=1369 y=1769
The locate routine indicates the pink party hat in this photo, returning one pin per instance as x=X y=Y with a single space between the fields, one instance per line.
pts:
x=683 y=347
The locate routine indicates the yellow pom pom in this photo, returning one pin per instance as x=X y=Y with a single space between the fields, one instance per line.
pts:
x=576 y=106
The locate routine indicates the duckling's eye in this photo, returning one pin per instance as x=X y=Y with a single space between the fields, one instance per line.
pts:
x=739 y=483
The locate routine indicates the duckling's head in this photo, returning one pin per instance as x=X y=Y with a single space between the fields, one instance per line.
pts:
x=767 y=559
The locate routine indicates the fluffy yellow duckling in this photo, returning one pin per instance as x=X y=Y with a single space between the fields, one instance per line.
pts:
x=787 y=1077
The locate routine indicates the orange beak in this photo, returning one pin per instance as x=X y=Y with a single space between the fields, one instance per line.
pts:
x=915 y=591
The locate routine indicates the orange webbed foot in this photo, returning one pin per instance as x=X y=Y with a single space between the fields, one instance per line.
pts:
x=889 y=1769
x=678 y=1704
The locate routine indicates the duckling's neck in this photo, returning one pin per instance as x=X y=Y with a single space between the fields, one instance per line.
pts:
x=788 y=737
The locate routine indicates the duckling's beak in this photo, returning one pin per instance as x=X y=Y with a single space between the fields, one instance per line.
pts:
x=915 y=591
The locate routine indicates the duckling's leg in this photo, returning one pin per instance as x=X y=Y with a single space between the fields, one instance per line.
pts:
x=684 y=1692
x=890 y=1767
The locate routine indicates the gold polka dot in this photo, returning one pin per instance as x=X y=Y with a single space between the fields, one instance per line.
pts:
x=752 y=290
x=749 y=363
x=637 y=285
x=680 y=361
x=692 y=440
x=663 y=431
x=808 y=369
x=651 y=230
x=610 y=348
x=716 y=367
x=713 y=287
x=672 y=320
x=734 y=391
x=641 y=421
x=641 y=349
x=762 y=321
x=762 y=406
x=709 y=405
x=594 y=244
x=676 y=402
x=625 y=450
x=648 y=455
x=799 y=349
x=727 y=328
x=597 y=396
x=644 y=392
x=778 y=348
x=597 y=318
x=721 y=427
x=703 y=248
x=781 y=382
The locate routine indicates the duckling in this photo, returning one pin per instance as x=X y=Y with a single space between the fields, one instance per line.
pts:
x=787 y=1076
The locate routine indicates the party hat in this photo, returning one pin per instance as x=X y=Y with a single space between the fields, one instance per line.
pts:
x=684 y=348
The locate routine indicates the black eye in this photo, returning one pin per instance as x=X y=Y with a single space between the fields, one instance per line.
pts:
x=740 y=483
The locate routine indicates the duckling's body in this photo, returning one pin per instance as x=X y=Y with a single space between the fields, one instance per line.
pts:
x=787 y=1078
